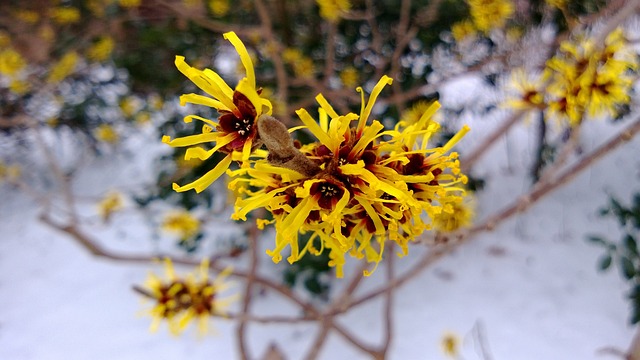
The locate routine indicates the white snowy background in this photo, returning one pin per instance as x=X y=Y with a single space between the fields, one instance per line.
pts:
x=531 y=287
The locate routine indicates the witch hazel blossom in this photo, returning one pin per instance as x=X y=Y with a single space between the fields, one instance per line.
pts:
x=355 y=188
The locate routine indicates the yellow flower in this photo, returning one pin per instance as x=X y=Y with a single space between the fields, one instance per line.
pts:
x=463 y=29
x=455 y=215
x=490 y=14
x=9 y=172
x=352 y=190
x=155 y=102
x=332 y=10
x=560 y=4
x=415 y=112
x=219 y=8
x=5 y=38
x=130 y=105
x=235 y=130
x=129 y=3
x=450 y=345
x=585 y=79
x=65 y=15
x=349 y=77
x=182 y=300
x=11 y=62
x=111 y=203
x=301 y=65
x=19 y=87
x=142 y=117
x=106 y=133
x=101 y=49
x=63 y=68
x=529 y=92
x=28 y=16
x=181 y=223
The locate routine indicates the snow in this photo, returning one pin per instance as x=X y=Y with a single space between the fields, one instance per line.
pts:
x=531 y=285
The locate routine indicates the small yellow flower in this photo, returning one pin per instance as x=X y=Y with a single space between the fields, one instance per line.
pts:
x=219 y=8
x=180 y=300
x=65 y=15
x=19 y=87
x=63 y=68
x=142 y=117
x=415 y=112
x=28 y=16
x=463 y=29
x=450 y=344
x=129 y=3
x=528 y=92
x=106 y=133
x=455 y=215
x=11 y=62
x=130 y=105
x=181 y=223
x=111 y=203
x=9 y=172
x=5 y=39
x=155 y=102
x=560 y=4
x=332 y=10
x=490 y=14
x=101 y=49
x=349 y=77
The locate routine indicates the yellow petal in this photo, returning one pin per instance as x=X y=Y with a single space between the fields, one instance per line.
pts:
x=244 y=56
x=207 y=179
x=364 y=114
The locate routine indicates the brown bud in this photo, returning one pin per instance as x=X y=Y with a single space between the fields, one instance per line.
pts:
x=282 y=151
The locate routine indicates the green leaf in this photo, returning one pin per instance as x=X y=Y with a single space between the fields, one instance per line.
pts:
x=596 y=240
x=605 y=262
x=631 y=245
x=627 y=267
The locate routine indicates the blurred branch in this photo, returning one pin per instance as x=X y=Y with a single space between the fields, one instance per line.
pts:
x=248 y=294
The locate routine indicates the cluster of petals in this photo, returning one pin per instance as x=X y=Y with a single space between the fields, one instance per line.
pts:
x=370 y=184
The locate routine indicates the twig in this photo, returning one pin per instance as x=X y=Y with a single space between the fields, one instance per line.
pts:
x=388 y=305
x=246 y=302
x=468 y=161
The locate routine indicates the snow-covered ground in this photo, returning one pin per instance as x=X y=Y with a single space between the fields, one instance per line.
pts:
x=531 y=286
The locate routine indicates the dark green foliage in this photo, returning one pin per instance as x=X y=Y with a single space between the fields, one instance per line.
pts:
x=624 y=252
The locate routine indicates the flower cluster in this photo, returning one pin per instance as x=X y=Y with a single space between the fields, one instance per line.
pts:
x=181 y=223
x=355 y=188
x=583 y=79
x=181 y=300
x=490 y=14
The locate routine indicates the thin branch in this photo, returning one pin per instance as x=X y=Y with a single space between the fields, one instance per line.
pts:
x=468 y=161
x=246 y=302
x=388 y=305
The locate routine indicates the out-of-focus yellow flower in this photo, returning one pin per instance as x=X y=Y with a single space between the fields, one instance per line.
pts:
x=5 y=38
x=19 y=87
x=155 y=102
x=130 y=105
x=180 y=300
x=65 y=15
x=349 y=77
x=9 y=172
x=101 y=49
x=111 y=203
x=332 y=10
x=106 y=133
x=236 y=130
x=219 y=8
x=129 y=3
x=11 y=62
x=528 y=91
x=588 y=79
x=415 y=112
x=455 y=215
x=490 y=14
x=193 y=4
x=143 y=117
x=450 y=344
x=181 y=223
x=28 y=16
x=301 y=65
x=98 y=7
x=560 y=4
x=63 y=68
x=463 y=29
